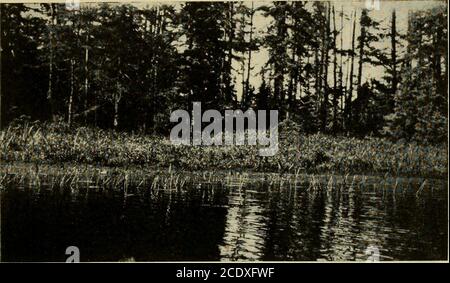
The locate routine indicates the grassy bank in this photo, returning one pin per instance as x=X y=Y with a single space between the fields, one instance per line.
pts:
x=75 y=176
x=54 y=144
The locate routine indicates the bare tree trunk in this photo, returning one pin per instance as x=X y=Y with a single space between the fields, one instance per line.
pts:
x=243 y=98
x=229 y=98
x=341 y=74
x=70 y=106
x=296 y=77
x=335 y=88
x=437 y=58
x=325 y=49
x=278 y=66
x=117 y=97
x=308 y=83
x=290 y=88
x=150 y=31
x=155 y=67
x=408 y=57
x=50 y=97
x=394 y=54
x=249 y=66
x=362 y=42
x=348 y=102
x=292 y=75
x=86 y=79
x=318 y=78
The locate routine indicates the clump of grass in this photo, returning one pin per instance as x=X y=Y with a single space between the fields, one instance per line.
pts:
x=308 y=154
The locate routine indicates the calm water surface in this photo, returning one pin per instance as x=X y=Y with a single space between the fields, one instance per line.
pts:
x=207 y=222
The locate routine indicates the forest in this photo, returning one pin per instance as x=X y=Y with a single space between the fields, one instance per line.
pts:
x=127 y=67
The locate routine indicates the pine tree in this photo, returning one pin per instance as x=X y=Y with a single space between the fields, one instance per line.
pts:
x=420 y=104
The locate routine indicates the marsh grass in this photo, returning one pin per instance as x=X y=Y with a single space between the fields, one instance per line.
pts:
x=75 y=177
x=306 y=154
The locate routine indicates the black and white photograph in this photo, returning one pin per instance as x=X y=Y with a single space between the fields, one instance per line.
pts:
x=224 y=131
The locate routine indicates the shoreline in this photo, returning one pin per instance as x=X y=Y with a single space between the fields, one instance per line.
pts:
x=298 y=154
x=136 y=175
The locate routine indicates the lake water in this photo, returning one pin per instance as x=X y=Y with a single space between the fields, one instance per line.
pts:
x=223 y=223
